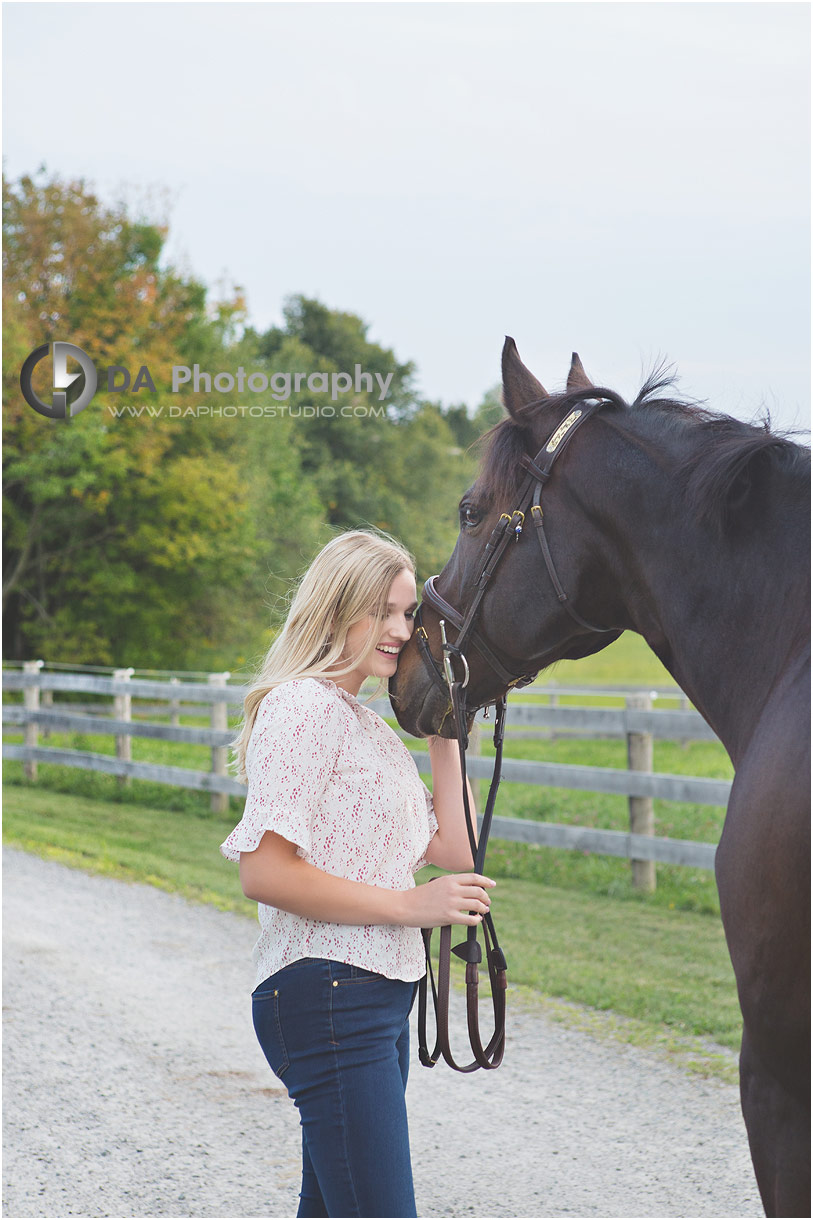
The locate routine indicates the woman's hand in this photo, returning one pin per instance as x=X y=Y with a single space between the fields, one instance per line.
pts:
x=448 y=900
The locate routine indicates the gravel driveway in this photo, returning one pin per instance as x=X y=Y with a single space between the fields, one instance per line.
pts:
x=133 y=1086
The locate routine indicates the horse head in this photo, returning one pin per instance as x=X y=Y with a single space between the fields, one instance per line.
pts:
x=534 y=609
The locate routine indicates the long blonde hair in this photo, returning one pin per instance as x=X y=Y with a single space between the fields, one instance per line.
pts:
x=349 y=579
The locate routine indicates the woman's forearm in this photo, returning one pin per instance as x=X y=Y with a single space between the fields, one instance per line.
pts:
x=450 y=848
x=277 y=876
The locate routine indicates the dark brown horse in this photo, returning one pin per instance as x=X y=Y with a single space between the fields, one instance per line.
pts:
x=692 y=529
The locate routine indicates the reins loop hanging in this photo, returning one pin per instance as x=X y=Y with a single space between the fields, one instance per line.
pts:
x=490 y=1055
x=508 y=526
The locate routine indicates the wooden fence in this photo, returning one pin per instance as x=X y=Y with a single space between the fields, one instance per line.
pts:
x=637 y=721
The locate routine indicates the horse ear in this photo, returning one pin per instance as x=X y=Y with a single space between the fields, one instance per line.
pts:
x=577 y=379
x=519 y=386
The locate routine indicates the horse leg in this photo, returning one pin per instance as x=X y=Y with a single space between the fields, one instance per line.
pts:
x=763 y=877
x=778 y=1126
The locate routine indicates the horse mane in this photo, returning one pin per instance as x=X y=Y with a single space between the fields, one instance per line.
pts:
x=717 y=474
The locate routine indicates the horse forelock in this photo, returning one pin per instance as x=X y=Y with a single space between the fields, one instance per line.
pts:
x=500 y=473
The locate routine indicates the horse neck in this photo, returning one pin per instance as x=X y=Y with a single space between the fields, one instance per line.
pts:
x=725 y=616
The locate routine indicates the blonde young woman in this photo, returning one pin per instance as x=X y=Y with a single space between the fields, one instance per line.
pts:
x=336 y=822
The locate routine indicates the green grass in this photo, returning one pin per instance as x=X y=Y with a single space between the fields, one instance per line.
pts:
x=174 y=849
x=656 y=976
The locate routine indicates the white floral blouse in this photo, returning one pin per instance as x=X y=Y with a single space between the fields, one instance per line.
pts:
x=328 y=774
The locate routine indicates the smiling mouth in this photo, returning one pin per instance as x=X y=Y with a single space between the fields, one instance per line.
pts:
x=388 y=652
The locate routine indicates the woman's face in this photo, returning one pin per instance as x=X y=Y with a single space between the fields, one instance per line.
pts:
x=381 y=658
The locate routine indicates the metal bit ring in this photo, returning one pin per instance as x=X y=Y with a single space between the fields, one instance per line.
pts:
x=447 y=660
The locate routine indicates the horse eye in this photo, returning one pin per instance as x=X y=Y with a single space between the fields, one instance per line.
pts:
x=469 y=515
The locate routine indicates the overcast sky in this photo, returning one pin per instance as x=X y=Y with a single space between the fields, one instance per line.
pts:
x=627 y=180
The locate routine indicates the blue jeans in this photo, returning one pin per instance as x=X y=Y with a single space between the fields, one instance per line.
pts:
x=337 y=1037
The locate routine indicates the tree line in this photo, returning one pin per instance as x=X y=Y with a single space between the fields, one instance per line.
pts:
x=165 y=540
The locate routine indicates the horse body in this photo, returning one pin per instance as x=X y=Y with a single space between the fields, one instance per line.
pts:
x=694 y=533
x=745 y=663
x=727 y=615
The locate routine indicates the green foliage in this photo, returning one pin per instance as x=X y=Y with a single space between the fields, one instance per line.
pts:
x=394 y=463
x=340 y=341
x=463 y=425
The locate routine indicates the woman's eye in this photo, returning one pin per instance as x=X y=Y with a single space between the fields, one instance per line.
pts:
x=469 y=515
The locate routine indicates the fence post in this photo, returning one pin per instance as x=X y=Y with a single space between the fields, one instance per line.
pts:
x=47 y=700
x=219 y=720
x=685 y=706
x=642 y=812
x=553 y=701
x=31 y=702
x=123 y=710
x=174 y=705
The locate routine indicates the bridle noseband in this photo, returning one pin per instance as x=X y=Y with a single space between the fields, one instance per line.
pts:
x=509 y=525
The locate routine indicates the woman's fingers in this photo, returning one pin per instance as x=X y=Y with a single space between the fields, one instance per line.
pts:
x=455 y=899
x=475 y=896
x=473 y=904
x=476 y=902
x=474 y=879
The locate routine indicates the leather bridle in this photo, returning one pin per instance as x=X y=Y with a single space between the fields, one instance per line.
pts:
x=509 y=526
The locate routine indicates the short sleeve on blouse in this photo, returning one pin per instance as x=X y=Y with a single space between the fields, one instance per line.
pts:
x=293 y=749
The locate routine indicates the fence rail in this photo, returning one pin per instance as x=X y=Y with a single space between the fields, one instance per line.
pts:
x=638 y=722
x=671 y=725
x=545 y=688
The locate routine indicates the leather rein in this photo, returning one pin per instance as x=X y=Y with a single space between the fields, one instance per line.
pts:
x=509 y=526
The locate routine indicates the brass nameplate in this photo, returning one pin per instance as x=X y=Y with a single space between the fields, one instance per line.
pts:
x=561 y=431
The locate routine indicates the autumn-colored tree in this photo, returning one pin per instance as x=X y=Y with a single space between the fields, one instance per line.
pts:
x=110 y=555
